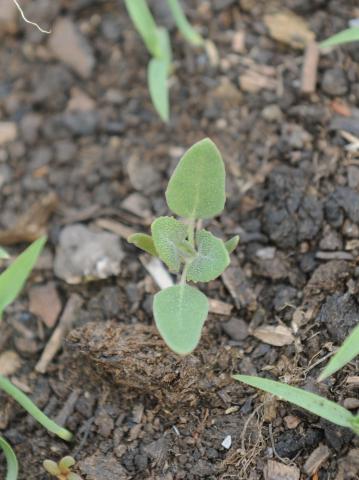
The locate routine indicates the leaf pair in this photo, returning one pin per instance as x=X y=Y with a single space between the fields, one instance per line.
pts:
x=158 y=43
x=309 y=401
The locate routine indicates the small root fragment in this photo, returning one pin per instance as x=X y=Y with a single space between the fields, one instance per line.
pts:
x=29 y=21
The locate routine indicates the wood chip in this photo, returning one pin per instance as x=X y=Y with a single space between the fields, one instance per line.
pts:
x=289 y=28
x=310 y=68
x=45 y=302
x=277 y=336
x=53 y=346
x=219 y=308
x=115 y=227
x=10 y=362
x=291 y=421
x=32 y=224
x=353 y=380
x=316 y=459
x=253 y=82
x=236 y=282
x=278 y=471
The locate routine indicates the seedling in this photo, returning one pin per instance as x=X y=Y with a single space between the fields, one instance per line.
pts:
x=196 y=191
x=344 y=355
x=309 y=401
x=345 y=36
x=62 y=469
x=11 y=283
x=157 y=42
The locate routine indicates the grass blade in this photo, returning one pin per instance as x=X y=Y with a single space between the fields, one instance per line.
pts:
x=309 y=401
x=346 y=36
x=183 y=24
x=32 y=409
x=346 y=352
x=157 y=83
x=145 y=24
x=11 y=460
x=14 y=277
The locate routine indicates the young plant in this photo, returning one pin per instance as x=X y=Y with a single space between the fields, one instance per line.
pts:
x=157 y=42
x=62 y=469
x=345 y=36
x=11 y=283
x=344 y=355
x=196 y=191
x=309 y=401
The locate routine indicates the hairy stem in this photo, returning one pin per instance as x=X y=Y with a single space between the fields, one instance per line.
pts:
x=32 y=409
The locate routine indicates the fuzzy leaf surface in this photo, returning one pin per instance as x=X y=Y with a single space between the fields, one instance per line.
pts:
x=197 y=186
x=232 y=243
x=144 y=242
x=180 y=312
x=168 y=233
x=309 y=401
x=14 y=277
x=344 y=355
x=211 y=260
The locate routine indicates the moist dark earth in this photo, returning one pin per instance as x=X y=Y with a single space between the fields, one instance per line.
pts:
x=83 y=145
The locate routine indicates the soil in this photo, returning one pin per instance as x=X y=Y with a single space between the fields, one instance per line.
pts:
x=88 y=133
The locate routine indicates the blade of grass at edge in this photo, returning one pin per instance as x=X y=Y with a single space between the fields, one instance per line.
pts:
x=344 y=355
x=309 y=401
x=145 y=24
x=183 y=24
x=32 y=409
x=346 y=36
x=11 y=460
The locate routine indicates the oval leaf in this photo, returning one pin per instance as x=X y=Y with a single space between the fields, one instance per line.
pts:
x=144 y=242
x=157 y=84
x=231 y=244
x=211 y=260
x=180 y=313
x=14 y=277
x=168 y=233
x=197 y=186
x=346 y=352
x=309 y=401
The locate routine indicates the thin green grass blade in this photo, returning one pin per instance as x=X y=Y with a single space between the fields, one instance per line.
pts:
x=33 y=410
x=145 y=24
x=11 y=460
x=346 y=353
x=183 y=24
x=157 y=83
x=346 y=36
x=309 y=401
x=14 y=277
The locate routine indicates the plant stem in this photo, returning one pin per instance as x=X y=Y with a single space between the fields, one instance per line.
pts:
x=191 y=226
x=32 y=409
x=184 y=274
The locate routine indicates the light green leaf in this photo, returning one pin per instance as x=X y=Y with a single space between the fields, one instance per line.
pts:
x=14 y=277
x=183 y=24
x=180 y=313
x=212 y=258
x=197 y=186
x=344 y=355
x=145 y=24
x=66 y=462
x=165 y=52
x=167 y=234
x=144 y=242
x=157 y=83
x=231 y=244
x=346 y=36
x=309 y=401
x=3 y=254
x=51 y=467
x=355 y=424
x=11 y=460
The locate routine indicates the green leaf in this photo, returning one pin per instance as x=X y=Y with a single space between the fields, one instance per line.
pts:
x=145 y=24
x=183 y=24
x=180 y=313
x=66 y=463
x=51 y=467
x=157 y=83
x=144 y=242
x=231 y=244
x=165 y=52
x=197 y=186
x=309 y=401
x=168 y=233
x=355 y=424
x=346 y=352
x=11 y=460
x=14 y=277
x=3 y=254
x=212 y=258
x=346 y=36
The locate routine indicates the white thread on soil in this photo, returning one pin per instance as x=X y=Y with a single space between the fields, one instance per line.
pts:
x=29 y=21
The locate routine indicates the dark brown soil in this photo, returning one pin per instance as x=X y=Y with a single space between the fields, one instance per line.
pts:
x=138 y=411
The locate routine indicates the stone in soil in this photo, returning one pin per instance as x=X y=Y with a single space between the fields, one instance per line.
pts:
x=335 y=82
x=340 y=315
